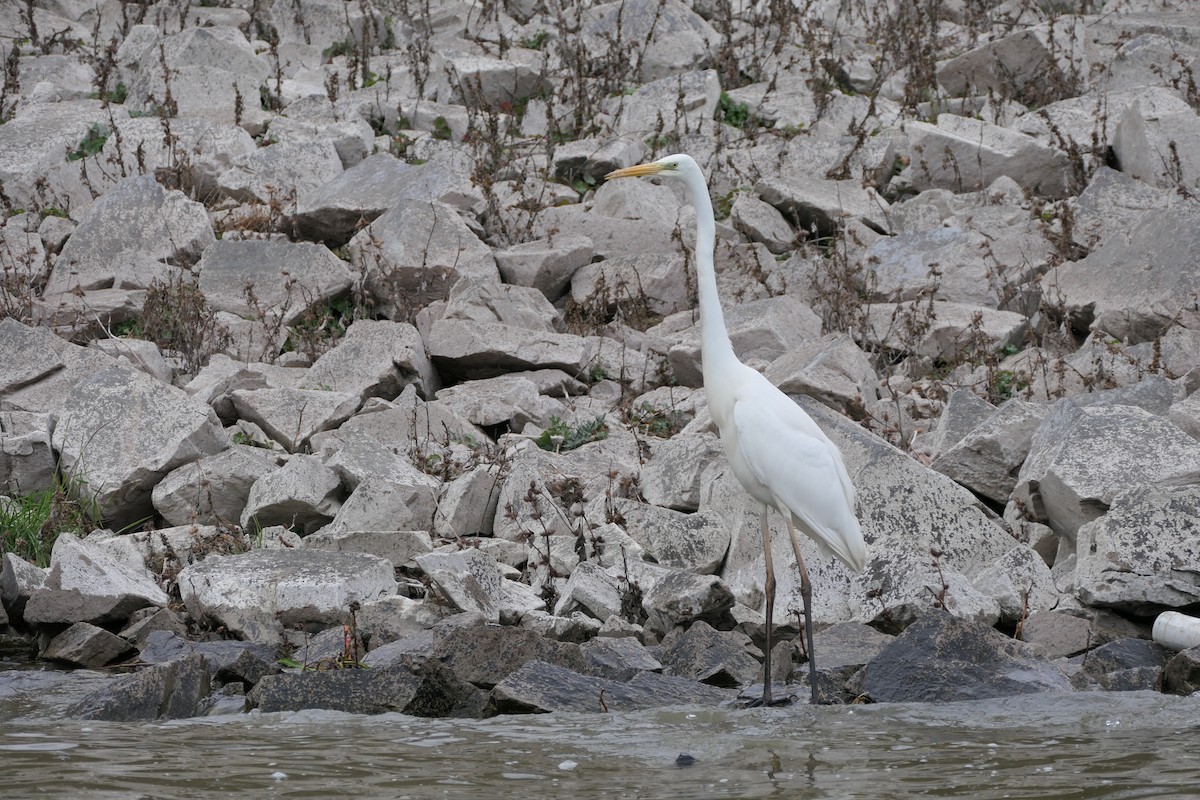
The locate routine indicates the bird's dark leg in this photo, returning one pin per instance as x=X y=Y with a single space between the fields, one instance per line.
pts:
x=769 y=588
x=806 y=595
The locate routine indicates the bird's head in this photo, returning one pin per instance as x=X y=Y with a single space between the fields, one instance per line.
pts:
x=679 y=165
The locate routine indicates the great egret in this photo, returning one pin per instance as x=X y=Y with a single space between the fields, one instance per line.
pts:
x=775 y=449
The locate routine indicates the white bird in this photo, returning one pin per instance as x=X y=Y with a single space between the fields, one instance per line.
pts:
x=775 y=449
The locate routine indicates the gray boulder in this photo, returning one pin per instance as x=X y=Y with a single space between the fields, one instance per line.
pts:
x=719 y=658
x=26 y=457
x=940 y=658
x=833 y=369
x=175 y=690
x=281 y=171
x=85 y=645
x=618 y=658
x=1046 y=62
x=18 y=581
x=670 y=478
x=964 y=155
x=988 y=458
x=824 y=207
x=1143 y=554
x=941 y=330
x=471 y=581
x=694 y=542
x=120 y=432
x=1138 y=282
x=466 y=349
x=376 y=358
x=88 y=584
x=1182 y=673
x=1082 y=457
x=419 y=688
x=414 y=253
x=538 y=687
x=130 y=237
x=1060 y=635
x=212 y=490
x=487 y=654
x=677 y=38
x=546 y=264
x=276 y=282
x=303 y=493
x=291 y=416
x=295 y=587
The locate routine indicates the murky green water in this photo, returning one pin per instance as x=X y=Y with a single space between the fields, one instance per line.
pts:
x=1130 y=745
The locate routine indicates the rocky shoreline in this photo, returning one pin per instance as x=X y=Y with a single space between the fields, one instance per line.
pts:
x=343 y=381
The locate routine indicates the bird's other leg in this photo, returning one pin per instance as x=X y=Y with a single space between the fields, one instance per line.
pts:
x=806 y=595
x=769 y=588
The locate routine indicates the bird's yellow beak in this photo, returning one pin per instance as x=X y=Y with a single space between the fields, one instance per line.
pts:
x=639 y=171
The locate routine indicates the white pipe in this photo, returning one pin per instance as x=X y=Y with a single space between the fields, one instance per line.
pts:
x=1176 y=631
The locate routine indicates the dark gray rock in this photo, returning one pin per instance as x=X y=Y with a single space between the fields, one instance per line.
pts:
x=1182 y=673
x=421 y=688
x=26 y=457
x=485 y=655
x=719 y=658
x=86 y=645
x=168 y=691
x=941 y=658
x=1126 y=664
x=618 y=658
x=163 y=647
x=538 y=687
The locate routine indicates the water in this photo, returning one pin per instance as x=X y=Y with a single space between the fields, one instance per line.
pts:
x=1115 y=745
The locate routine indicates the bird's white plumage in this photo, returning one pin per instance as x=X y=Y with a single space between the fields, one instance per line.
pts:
x=785 y=461
x=776 y=451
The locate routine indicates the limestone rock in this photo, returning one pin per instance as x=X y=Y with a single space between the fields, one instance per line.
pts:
x=417 y=687
x=212 y=490
x=376 y=358
x=303 y=493
x=273 y=281
x=294 y=586
x=539 y=687
x=988 y=458
x=87 y=584
x=1144 y=553
x=120 y=432
x=1081 y=458
x=26 y=457
x=415 y=252
x=719 y=658
x=546 y=265
x=1137 y=282
x=487 y=654
x=671 y=476
x=291 y=416
x=963 y=155
x=941 y=658
x=941 y=330
x=481 y=350
x=694 y=542
x=168 y=691
x=833 y=369
x=128 y=238
x=678 y=38
x=85 y=645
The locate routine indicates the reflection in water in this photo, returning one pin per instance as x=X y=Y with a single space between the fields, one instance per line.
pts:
x=1082 y=746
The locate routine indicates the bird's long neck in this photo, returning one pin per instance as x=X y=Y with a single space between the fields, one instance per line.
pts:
x=715 y=349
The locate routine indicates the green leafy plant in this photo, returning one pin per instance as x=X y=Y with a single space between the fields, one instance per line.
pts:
x=569 y=438
x=441 y=129
x=30 y=523
x=92 y=143
x=661 y=422
x=731 y=113
x=336 y=49
x=535 y=42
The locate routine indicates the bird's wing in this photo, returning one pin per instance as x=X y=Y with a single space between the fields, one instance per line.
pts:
x=790 y=455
